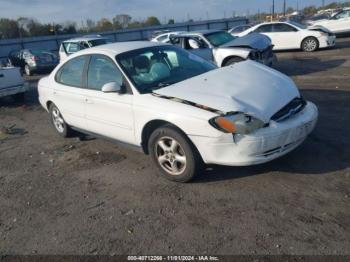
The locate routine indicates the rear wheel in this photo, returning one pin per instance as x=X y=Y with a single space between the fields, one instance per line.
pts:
x=309 y=44
x=173 y=154
x=58 y=122
x=233 y=60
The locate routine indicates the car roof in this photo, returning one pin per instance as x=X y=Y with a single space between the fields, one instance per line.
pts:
x=203 y=32
x=83 y=38
x=118 y=48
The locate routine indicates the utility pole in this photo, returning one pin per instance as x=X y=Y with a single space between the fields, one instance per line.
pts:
x=273 y=9
x=323 y=3
x=284 y=8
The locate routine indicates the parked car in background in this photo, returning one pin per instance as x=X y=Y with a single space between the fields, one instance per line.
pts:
x=223 y=49
x=11 y=82
x=74 y=45
x=239 y=29
x=292 y=35
x=338 y=23
x=165 y=38
x=177 y=107
x=315 y=18
x=33 y=61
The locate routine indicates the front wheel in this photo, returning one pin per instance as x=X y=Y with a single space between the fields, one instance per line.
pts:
x=173 y=154
x=58 y=122
x=310 y=44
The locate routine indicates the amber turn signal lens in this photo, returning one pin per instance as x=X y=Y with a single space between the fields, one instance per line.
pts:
x=225 y=124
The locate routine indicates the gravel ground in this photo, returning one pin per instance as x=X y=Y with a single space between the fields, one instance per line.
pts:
x=68 y=196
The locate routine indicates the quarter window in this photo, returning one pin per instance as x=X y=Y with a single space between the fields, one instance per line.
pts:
x=101 y=71
x=71 y=73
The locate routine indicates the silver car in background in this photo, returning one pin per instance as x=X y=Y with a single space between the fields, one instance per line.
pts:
x=224 y=49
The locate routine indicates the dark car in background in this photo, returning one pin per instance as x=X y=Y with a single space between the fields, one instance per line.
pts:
x=33 y=61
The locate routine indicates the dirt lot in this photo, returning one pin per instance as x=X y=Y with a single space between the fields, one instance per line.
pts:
x=92 y=197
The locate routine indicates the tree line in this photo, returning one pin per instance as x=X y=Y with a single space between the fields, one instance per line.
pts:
x=29 y=27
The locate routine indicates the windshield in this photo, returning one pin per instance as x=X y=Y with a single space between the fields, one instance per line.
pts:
x=97 y=42
x=219 y=38
x=297 y=24
x=156 y=67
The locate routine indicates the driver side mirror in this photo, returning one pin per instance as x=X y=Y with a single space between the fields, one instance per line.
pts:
x=111 y=87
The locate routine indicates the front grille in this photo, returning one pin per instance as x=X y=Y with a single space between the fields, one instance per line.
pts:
x=292 y=108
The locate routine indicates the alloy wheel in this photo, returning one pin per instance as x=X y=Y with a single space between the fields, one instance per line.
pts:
x=171 y=156
x=310 y=45
x=57 y=120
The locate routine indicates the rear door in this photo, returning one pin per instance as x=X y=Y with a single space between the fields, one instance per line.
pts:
x=108 y=114
x=69 y=91
x=268 y=31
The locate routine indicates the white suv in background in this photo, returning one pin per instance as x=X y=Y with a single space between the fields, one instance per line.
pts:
x=339 y=23
x=71 y=46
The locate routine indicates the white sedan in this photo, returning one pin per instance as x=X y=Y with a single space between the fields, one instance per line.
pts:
x=338 y=24
x=292 y=35
x=177 y=107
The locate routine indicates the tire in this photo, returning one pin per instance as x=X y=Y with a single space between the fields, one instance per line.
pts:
x=61 y=127
x=310 y=44
x=233 y=60
x=18 y=97
x=27 y=70
x=174 y=155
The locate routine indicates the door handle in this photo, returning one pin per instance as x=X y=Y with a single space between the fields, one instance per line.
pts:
x=1 y=75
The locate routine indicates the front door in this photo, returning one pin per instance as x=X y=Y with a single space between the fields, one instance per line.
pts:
x=108 y=114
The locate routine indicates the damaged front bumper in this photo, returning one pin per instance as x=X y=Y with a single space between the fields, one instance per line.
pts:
x=262 y=146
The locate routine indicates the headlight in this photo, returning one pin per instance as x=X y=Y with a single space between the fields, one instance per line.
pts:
x=238 y=123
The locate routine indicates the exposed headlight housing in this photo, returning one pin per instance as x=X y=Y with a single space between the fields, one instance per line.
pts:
x=254 y=55
x=237 y=123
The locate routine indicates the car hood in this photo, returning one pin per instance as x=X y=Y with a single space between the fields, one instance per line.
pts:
x=252 y=40
x=247 y=87
x=321 y=28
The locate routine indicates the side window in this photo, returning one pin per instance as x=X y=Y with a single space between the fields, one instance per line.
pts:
x=162 y=38
x=343 y=14
x=283 y=28
x=72 y=48
x=71 y=73
x=101 y=71
x=264 y=29
x=84 y=45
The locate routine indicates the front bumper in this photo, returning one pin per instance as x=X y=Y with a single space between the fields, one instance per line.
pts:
x=263 y=145
x=12 y=90
x=327 y=41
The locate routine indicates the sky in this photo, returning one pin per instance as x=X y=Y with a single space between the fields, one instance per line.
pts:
x=180 y=10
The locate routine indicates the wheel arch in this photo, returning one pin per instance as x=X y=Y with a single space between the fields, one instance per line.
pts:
x=226 y=59
x=154 y=124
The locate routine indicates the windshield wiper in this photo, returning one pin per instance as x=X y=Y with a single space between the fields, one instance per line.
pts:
x=160 y=85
